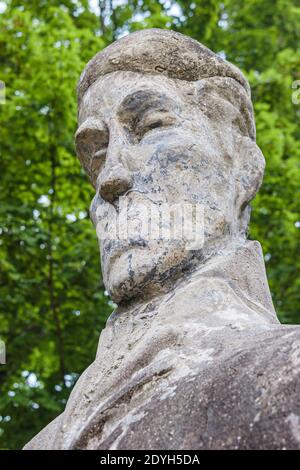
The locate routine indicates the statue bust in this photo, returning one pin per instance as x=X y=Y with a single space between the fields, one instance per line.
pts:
x=193 y=357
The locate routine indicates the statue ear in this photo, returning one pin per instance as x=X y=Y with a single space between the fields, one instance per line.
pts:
x=250 y=165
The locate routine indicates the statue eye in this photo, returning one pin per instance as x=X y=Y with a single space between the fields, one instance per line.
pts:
x=153 y=125
x=154 y=120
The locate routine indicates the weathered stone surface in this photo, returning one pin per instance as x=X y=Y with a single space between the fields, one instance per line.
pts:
x=193 y=356
x=156 y=51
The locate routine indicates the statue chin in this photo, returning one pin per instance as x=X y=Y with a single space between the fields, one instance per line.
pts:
x=143 y=270
x=125 y=273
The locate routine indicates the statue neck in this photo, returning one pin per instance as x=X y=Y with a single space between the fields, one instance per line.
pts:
x=216 y=306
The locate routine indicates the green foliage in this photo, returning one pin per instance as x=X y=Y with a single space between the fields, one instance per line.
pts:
x=52 y=302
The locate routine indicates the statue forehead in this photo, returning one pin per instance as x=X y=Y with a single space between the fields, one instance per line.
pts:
x=105 y=96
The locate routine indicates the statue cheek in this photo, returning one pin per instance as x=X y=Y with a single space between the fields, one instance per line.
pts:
x=138 y=156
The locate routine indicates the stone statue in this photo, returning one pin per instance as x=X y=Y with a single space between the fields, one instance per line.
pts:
x=193 y=357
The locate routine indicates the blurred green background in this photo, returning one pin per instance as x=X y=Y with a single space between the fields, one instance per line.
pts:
x=52 y=301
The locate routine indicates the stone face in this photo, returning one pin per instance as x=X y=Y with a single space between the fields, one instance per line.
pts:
x=152 y=141
x=193 y=356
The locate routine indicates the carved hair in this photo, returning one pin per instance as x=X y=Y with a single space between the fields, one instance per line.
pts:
x=158 y=51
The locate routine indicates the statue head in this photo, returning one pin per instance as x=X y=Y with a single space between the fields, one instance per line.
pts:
x=165 y=122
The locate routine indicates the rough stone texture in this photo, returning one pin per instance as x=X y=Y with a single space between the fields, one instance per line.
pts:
x=193 y=356
x=156 y=51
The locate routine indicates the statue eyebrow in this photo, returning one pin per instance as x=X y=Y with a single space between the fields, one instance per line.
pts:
x=135 y=105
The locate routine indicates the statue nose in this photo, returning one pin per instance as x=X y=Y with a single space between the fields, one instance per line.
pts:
x=114 y=183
